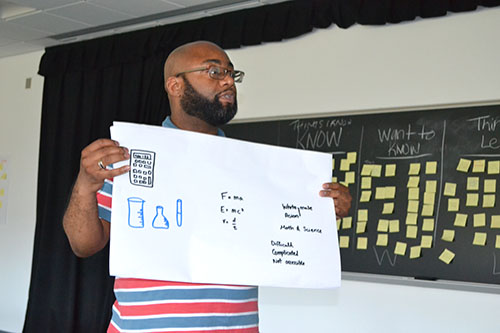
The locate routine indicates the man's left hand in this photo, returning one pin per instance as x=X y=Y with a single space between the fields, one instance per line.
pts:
x=340 y=195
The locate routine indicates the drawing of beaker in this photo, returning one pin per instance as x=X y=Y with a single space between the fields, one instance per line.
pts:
x=160 y=221
x=136 y=212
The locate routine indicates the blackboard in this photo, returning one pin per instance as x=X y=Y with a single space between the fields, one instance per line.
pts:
x=438 y=142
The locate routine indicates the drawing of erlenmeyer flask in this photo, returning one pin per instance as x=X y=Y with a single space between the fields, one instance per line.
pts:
x=160 y=221
x=136 y=212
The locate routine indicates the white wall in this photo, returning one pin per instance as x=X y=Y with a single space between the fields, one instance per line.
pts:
x=20 y=111
x=441 y=61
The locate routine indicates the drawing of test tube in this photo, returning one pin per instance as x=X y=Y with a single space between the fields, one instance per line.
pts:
x=135 y=212
x=179 y=213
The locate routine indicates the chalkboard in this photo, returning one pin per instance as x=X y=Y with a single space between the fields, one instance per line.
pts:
x=424 y=187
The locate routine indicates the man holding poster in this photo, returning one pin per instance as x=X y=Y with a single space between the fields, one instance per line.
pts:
x=200 y=83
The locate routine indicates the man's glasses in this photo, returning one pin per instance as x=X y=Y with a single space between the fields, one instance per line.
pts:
x=218 y=73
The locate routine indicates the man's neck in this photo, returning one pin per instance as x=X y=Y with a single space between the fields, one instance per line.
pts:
x=190 y=123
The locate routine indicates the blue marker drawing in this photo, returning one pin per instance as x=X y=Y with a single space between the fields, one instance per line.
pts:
x=179 y=213
x=135 y=212
x=160 y=221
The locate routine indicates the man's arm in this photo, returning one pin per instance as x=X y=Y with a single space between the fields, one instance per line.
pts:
x=341 y=197
x=86 y=232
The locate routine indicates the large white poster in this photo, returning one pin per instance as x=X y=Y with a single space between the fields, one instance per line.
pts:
x=207 y=209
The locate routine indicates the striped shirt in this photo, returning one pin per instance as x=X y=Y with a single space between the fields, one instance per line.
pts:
x=165 y=306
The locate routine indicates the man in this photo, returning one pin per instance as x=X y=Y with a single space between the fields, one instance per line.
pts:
x=200 y=83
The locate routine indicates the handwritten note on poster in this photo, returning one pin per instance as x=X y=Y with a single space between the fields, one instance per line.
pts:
x=3 y=190
x=206 y=209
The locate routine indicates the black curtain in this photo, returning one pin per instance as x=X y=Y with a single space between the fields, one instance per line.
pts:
x=90 y=84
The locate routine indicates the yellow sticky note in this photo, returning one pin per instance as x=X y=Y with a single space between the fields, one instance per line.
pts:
x=390 y=192
x=431 y=186
x=497 y=243
x=377 y=170
x=495 y=222
x=400 y=248
x=1 y=166
x=411 y=231
x=3 y=176
x=339 y=223
x=428 y=210
x=344 y=165
x=479 y=220
x=463 y=165
x=366 y=183
x=413 y=206
x=334 y=180
x=390 y=170
x=393 y=226
x=413 y=181
x=426 y=241
x=428 y=225
x=450 y=189
x=388 y=208
x=382 y=240
x=453 y=204
x=333 y=164
x=478 y=166
x=1 y=204
x=344 y=242
x=415 y=252
x=367 y=170
x=362 y=243
x=365 y=196
x=488 y=201
x=472 y=183
x=361 y=227
x=448 y=235
x=479 y=239
x=383 y=225
x=351 y=157
x=362 y=214
x=380 y=193
x=447 y=256
x=460 y=220
x=414 y=169
x=429 y=198
x=411 y=218
x=413 y=193
x=350 y=177
x=347 y=222
x=431 y=167
x=472 y=200
x=494 y=167
x=2 y=192
x=490 y=185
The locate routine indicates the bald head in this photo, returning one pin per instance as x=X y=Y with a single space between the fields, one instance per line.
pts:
x=185 y=55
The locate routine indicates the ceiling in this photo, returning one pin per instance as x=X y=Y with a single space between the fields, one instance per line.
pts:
x=32 y=25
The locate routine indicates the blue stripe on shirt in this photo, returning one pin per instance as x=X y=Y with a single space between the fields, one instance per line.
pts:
x=186 y=294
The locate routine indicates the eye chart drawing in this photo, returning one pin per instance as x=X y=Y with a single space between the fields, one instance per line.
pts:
x=142 y=163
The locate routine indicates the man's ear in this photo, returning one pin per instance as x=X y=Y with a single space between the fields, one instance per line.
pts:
x=173 y=86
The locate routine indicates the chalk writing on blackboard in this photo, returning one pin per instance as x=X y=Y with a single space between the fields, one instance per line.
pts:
x=487 y=126
x=319 y=134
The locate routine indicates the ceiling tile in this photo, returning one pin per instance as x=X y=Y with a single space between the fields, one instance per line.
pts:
x=5 y=41
x=137 y=8
x=44 y=4
x=18 y=48
x=49 y=23
x=20 y=33
x=90 y=14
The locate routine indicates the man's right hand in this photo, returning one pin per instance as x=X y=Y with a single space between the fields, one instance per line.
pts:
x=100 y=152
x=87 y=233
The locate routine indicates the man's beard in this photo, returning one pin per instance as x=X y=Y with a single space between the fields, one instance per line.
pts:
x=211 y=112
